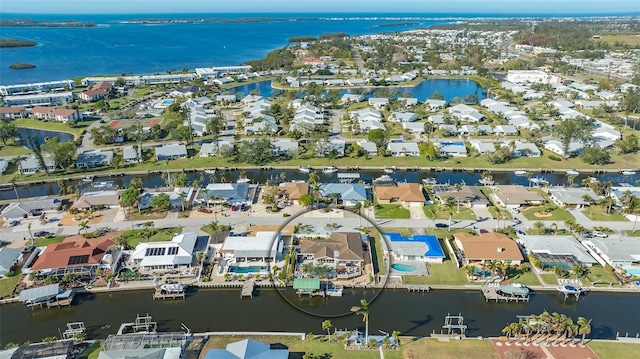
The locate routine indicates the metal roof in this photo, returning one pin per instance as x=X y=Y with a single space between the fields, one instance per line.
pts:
x=306 y=283
x=40 y=293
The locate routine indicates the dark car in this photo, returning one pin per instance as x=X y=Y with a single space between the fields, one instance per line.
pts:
x=442 y=225
x=42 y=234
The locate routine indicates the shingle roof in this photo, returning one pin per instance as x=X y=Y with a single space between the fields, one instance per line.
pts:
x=347 y=244
x=405 y=192
x=492 y=245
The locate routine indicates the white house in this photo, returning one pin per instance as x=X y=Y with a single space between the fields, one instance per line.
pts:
x=435 y=104
x=171 y=151
x=369 y=147
x=453 y=149
x=378 y=102
x=402 y=117
x=557 y=147
x=211 y=148
x=31 y=164
x=176 y=253
x=251 y=254
x=401 y=148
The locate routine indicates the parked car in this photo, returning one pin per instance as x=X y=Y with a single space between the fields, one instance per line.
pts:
x=43 y=234
x=14 y=223
x=520 y=233
x=599 y=234
x=515 y=210
x=442 y=225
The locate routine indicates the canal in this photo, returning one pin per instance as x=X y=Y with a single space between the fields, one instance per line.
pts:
x=415 y=314
x=469 y=178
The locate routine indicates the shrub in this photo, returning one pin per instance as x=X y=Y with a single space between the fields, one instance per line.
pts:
x=554 y=158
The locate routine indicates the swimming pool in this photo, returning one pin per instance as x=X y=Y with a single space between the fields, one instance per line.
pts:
x=168 y=102
x=246 y=270
x=551 y=265
x=633 y=271
x=452 y=143
x=403 y=267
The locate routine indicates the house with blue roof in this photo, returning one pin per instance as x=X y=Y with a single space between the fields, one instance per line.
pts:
x=247 y=349
x=348 y=193
x=423 y=247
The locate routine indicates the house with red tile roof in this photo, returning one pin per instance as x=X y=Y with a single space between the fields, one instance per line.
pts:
x=77 y=254
x=407 y=194
x=11 y=113
x=93 y=95
x=55 y=114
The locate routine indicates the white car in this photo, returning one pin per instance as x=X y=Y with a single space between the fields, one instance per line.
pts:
x=515 y=210
x=599 y=234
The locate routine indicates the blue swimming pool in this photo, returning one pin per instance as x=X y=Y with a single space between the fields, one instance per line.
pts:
x=452 y=143
x=403 y=267
x=246 y=270
x=633 y=271
x=168 y=102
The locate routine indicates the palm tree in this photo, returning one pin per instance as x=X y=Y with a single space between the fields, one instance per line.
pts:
x=570 y=180
x=492 y=265
x=584 y=327
x=469 y=270
x=539 y=226
x=507 y=330
x=326 y=325
x=606 y=203
x=447 y=205
x=363 y=310
x=396 y=337
x=182 y=197
x=458 y=187
x=30 y=234
x=84 y=225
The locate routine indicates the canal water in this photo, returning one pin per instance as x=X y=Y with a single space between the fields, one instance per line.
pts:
x=415 y=314
x=448 y=88
x=43 y=135
x=257 y=176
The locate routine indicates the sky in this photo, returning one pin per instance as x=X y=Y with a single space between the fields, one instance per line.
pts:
x=451 y=7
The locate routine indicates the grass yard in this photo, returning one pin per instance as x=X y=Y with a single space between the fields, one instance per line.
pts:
x=464 y=214
x=444 y=273
x=405 y=231
x=7 y=284
x=159 y=234
x=45 y=241
x=52 y=125
x=471 y=348
x=395 y=211
x=549 y=278
x=523 y=274
x=504 y=213
x=93 y=351
x=378 y=250
x=547 y=212
x=615 y=350
x=596 y=213
x=629 y=39
x=146 y=215
x=598 y=276
x=11 y=150
x=631 y=233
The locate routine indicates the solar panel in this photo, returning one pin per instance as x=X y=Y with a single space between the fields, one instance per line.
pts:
x=78 y=259
x=155 y=251
x=172 y=251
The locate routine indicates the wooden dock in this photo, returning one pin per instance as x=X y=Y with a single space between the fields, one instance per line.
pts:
x=491 y=293
x=247 y=289
x=159 y=294
x=59 y=303
x=418 y=288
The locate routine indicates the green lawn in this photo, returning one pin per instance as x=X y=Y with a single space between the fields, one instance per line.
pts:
x=11 y=150
x=504 y=214
x=551 y=213
x=7 y=284
x=549 y=278
x=614 y=350
x=596 y=213
x=378 y=250
x=52 y=125
x=598 y=276
x=160 y=234
x=464 y=214
x=444 y=273
x=44 y=241
x=631 y=233
x=391 y=211
x=523 y=274
x=409 y=348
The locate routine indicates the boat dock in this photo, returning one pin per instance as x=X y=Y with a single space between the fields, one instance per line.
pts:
x=418 y=288
x=492 y=293
x=247 y=289
x=159 y=294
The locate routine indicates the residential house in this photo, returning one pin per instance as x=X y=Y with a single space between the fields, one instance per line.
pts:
x=557 y=147
x=378 y=102
x=570 y=197
x=292 y=190
x=506 y=130
x=415 y=128
x=32 y=207
x=98 y=199
x=451 y=149
x=483 y=147
x=176 y=253
x=514 y=196
x=132 y=154
x=79 y=255
x=618 y=193
x=178 y=197
x=332 y=147
x=285 y=147
x=477 y=130
x=351 y=97
x=231 y=193
x=9 y=259
x=369 y=147
x=226 y=98
x=436 y=119
x=251 y=254
x=402 y=117
x=3 y=165
x=94 y=158
x=366 y=114
x=31 y=164
x=468 y=196
x=171 y=345
x=247 y=349
x=552 y=250
x=448 y=130
x=466 y=112
x=435 y=104
x=407 y=101
x=12 y=113
x=521 y=149
x=189 y=91
x=487 y=247
x=620 y=252
x=401 y=148
x=250 y=99
x=171 y=152
x=343 y=252
x=423 y=248
x=348 y=193
x=210 y=149
x=368 y=126
x=93 y=95
x=406 y=194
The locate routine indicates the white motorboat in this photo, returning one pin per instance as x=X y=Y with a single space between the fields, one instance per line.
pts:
x=430 y=181
x=243 y=180
x=304 y=169
x=384 y=179
x=539 y=181
x=87 y=178
x=487 y=181
x=171 y=287
x=330 y=169
x=572 y=172
x=210 y=171
x=334 y=292
x=628 y=172
x=390 y=169
x=520 y=172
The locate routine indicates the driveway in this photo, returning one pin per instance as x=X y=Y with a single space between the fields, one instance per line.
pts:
x=577 y=214
x=481 y=212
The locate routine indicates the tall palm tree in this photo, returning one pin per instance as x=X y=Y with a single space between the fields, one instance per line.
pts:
x=84 y=225
x=396 y=337
x=182 y=197
x=30 y=234
x=469 y=270
x=570 y=180
x=457 y=187
x=363 y=310
x=507 y=330
x=326 y=325
x=584 y=327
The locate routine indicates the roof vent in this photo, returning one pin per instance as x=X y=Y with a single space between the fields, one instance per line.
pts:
x=500 y=249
